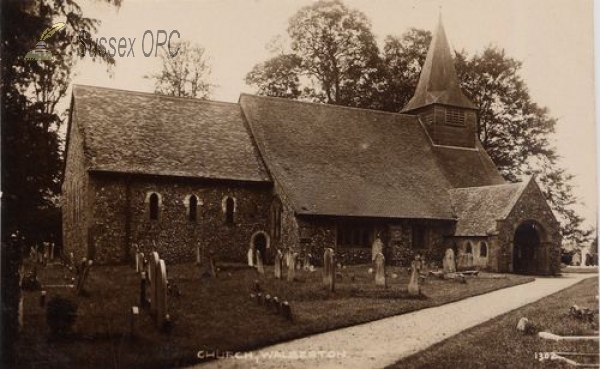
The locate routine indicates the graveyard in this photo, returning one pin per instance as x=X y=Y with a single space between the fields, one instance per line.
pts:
x=218 y=306
x=499 y=343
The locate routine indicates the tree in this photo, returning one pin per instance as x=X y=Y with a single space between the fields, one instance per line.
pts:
x=278 y=77
x=30 y=140
x=185 y=74
x=403 y=58
x=333 y=58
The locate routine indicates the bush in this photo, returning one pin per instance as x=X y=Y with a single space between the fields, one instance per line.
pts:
x=61 y=314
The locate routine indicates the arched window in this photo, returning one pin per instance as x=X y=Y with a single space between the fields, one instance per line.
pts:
x=469 y=248
x=193 y=209
x=229 y=209
x=483 y=250
x=153 y=206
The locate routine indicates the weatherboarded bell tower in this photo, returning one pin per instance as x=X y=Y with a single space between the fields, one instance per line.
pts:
x=449 y=117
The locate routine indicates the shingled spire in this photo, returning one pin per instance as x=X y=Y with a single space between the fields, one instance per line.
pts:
x=449 y=117
x=438 y=82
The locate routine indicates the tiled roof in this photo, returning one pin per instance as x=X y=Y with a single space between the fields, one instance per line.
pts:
x=333 y=160
x=468 y=167
x=135 y=132
x=478 y=208
x=438 y=82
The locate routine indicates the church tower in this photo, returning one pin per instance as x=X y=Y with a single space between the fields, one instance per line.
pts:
x=448 y=115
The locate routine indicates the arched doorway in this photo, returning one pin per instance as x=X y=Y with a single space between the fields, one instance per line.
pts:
x=527 y=247
x=259 y=242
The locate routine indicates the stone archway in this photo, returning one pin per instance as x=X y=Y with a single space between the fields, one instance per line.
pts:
x=528 y=248
x=260 y=241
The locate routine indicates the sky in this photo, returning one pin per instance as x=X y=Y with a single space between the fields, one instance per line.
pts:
x=552 y=38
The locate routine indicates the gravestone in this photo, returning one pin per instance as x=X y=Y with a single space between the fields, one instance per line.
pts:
x=151 y=270
x=143 y=283
x=83 y=277
x=52 y=251
x=212 y=265
x=380 y=270
x=136 y=259
x=291 y=274
x=198 y=258
x=329 y=269
x=259 y=263
x=286 y=311
x=250 y=257
x=135 y=316
x=161 y=294
x=449 y=262
x=276 y=304
x=413 y=283
x=376 y=248
x=141 y=262
x=278 y=265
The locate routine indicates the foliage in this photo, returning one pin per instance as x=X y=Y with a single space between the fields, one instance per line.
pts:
x=185 y=74
x=334 y=59
x=61 y=314
x=278 y=76
x=30 y=124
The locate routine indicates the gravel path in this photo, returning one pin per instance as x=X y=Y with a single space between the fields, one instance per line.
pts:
x=383 y=342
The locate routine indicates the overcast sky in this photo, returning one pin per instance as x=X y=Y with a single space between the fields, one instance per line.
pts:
x=553 y=39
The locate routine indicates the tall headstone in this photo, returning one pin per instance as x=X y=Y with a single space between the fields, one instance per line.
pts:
x=329 y=269
x=198 y=258
x=140 y=262
x=250 y=256
x=136 y=259
x=259 y=263
x=52 y=251
x=413 y=283
x=380 y=270
x=376 y=248
x=449 y=262
x=291 y=274
x=278 y=265
x=161 y=293
x=212 y=265
x=152 y=268
x=143 y=287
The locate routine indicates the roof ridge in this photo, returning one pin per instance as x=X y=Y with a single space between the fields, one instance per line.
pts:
x=153 y=94
x=283 y=99
x=522 y=183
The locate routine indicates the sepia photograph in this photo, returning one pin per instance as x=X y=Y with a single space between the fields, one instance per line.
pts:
x=299 y=184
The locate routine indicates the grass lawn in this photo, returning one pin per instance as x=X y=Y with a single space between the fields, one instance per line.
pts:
x=497 y=343
x=217 y=314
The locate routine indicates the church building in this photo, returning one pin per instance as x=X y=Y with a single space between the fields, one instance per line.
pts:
x=184 y=177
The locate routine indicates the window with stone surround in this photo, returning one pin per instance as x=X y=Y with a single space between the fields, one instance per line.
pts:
x=483 y=249
x=469 y=248
x=154 y=206
x=354 y=235
x=229 y=210
x=193 y=208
